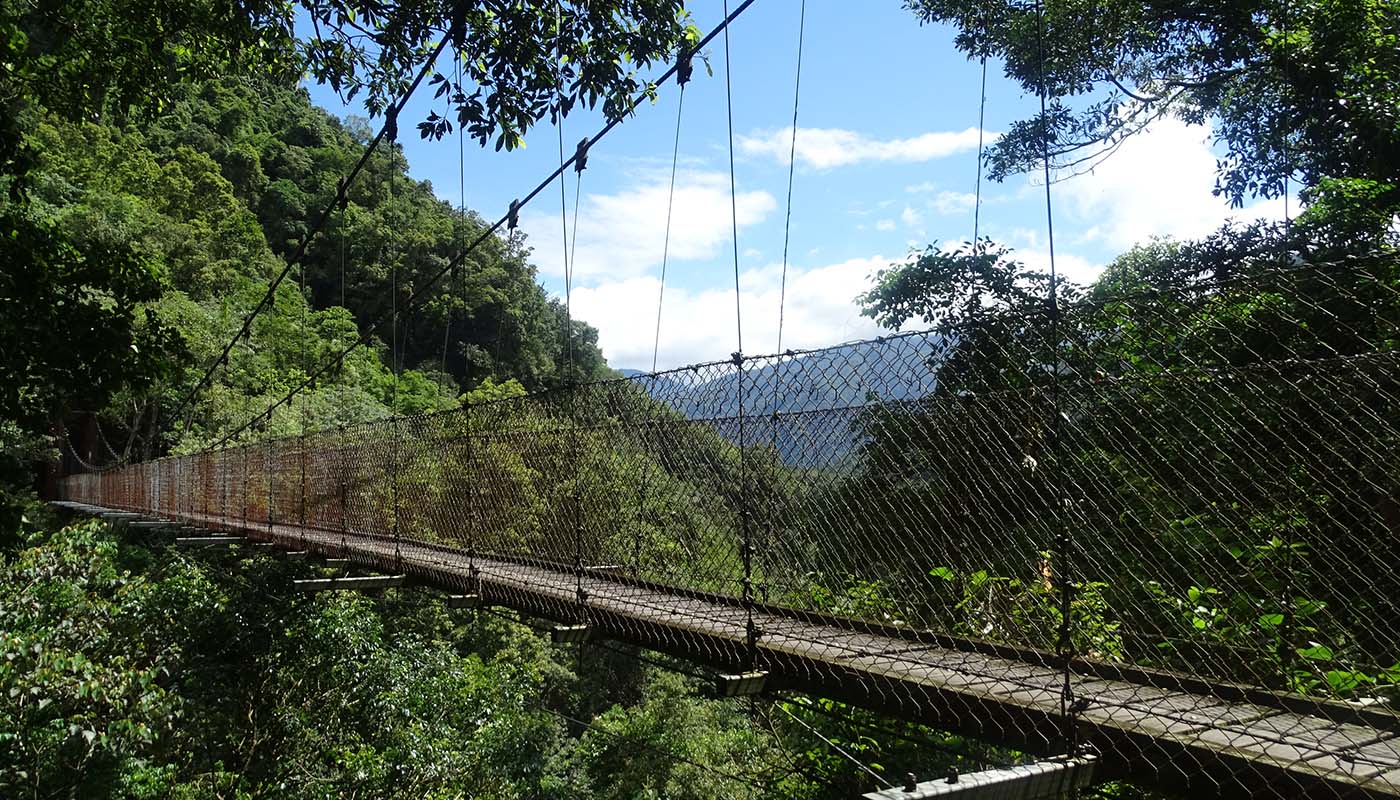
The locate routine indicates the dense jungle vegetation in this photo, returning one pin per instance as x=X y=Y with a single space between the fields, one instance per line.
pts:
x=159 y=165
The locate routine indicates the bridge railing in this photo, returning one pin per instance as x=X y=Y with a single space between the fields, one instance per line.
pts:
x=1195 y=473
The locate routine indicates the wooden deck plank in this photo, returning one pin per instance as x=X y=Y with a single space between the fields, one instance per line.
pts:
x=1243 y=737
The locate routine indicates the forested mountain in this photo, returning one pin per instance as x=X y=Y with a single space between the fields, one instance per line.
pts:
x=218 y=192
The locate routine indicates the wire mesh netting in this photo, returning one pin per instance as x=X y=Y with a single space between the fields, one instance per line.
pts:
x=1160 y=520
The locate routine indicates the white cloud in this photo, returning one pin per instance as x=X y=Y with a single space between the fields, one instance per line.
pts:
x=911 y=217
x=948 y=203
x=824 y=148
x=885 y=225
x=621 y=235
x=1068 y=266
x=922 y=188
x=1157 y=184
x=698 y=325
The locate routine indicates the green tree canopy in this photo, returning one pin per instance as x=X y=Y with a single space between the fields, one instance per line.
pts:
x=1304 y=88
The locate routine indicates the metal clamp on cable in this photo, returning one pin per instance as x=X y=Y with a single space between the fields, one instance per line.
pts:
x=684 y=68
x=391 y=123
x=342 y=193
x=458 y=31
x=513 y=216
x=581 y=155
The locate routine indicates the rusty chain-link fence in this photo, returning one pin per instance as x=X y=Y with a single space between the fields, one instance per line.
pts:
x=1189 y=486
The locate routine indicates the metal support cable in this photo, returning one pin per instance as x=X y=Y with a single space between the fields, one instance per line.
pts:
x=247 y=478
x=1062 y=556
x=778 y=384
x=977 y=190
x=745 y=531
x=575 y=515
x=396 y=365
x=454 y=288
x=267 y=476
x=423 y=286
x=1286 y=646
x=792 y=170
x=836 y=747
x=472 y=501
x=666 y=237
x=682 y=78
x=921 y=741
x=305 y=400
x=659 y=751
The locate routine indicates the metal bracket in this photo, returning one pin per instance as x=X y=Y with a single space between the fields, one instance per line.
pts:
x=743 y=684
x=344 y=584
x=1043 y=780
x=203 y=541
x=464 y=601
x=568 y=634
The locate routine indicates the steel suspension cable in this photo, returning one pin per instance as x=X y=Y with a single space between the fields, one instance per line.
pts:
x=836 y=747
x=305 y=400
x=792 y=169
x=745 y=532
x=1285 y=645
x=518 y=620
x=775 y=408
x=396 y=362
x=1062 y=556
x=921 y=741
x=453 y=287
x=977 y=189
x=681 y=79
x=570 y=384
x=509 y=217
x=683 y=74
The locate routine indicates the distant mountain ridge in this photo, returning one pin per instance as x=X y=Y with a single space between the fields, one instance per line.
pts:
x=815 y=395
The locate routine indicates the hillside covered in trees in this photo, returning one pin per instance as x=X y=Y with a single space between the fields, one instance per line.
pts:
x=215 y=194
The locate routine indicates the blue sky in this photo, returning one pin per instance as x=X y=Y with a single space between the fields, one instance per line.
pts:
x=887 y=138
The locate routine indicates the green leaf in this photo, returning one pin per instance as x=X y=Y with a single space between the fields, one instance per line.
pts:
x=1316 y=652
x=1341 y=680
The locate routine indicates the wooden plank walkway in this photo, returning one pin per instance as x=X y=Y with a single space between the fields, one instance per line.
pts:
x=1153 y=728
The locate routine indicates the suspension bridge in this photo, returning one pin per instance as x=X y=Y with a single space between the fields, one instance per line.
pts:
x=902 y=551
x=1150 y=527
